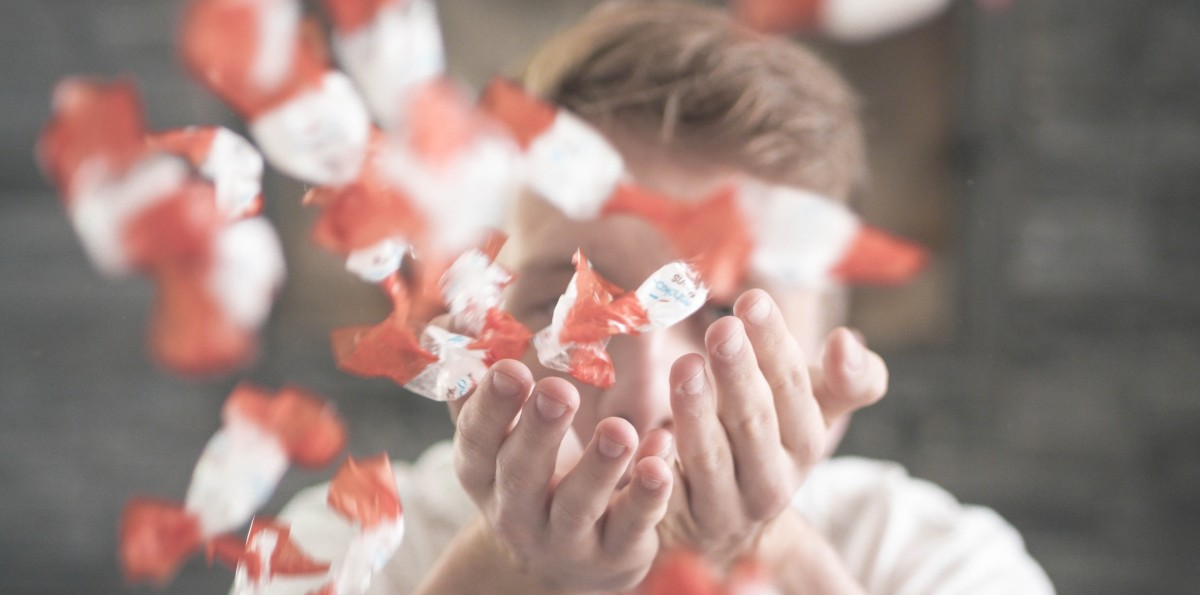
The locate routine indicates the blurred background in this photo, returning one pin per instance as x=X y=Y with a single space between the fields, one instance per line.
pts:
x=1046 y=366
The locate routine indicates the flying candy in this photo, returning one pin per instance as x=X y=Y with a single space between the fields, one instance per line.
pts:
x=844 y=20
x=138 y=205
x=592 y=310
x=225 y=159
x=441 y=364
x=684 y=572
x=257 y=56
x=568 y=162
x=236 y=474
x=388 y=47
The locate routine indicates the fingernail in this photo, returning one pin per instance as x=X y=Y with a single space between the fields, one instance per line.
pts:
x=692 y=386
x=549 y=408
x=651 y=483
x=505 y=385
x=611 y=448
x=757 y=314
x=855 y=354
x=733 y=345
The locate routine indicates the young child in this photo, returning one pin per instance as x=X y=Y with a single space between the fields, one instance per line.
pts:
x=715 y=435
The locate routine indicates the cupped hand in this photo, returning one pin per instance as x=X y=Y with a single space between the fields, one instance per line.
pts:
x=750 y=422
x=570 y=527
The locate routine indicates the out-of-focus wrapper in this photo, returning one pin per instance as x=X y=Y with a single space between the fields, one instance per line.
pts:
x=372 y=221
x=680 y=572
x=843 y=20
x=269 y=553
x=225 y=159
x=803 y=239
x=388 y=47
x=207 y=313
x=712 y=234
x=569 y=163
x=686 y=572
x=365 y=493
x=94 y=135
x=593 y=309
x=136 y=205
x=236 y=474
x=257 y=56
x=458 y=167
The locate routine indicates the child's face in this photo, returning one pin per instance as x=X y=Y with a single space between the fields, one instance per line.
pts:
x=626 y=250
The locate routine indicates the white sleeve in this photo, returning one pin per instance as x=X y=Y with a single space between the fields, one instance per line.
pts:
x=435 y=509
x=903 y=536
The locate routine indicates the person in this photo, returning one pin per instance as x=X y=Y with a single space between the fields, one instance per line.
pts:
x=716 y=432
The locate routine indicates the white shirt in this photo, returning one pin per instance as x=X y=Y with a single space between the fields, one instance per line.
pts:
x=897 y=535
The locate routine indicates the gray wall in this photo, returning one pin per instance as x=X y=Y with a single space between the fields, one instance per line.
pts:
x=1065 y=397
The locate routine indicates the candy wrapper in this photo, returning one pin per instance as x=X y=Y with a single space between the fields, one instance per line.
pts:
x=592 y=310
x=684 y=572
x=137 y=205
x=258 y=56
x=844 y=20
x=372 y=221
x=364 y=494
x=388 y=47
x=441 y=365
x=809 y=240
x=460 y=169
x=712 y=234
x=236 y=474
x=568 y=162
x=268 y=553
x=225 y=159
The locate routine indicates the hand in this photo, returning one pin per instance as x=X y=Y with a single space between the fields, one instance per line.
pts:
x=752 y=421
x=571 y=529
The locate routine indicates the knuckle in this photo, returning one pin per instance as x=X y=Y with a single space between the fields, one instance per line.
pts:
x=756 y=424
x=512 y=477
x=767 y=503
x=514 y=531
x=570 y=514
x=808 y=446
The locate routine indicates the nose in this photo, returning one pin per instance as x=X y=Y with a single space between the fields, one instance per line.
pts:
x=641 y=393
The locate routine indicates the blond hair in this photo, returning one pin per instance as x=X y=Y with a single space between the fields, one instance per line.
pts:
x=702 y=82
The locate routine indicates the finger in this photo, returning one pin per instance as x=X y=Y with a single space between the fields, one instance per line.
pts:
x=700 y=442
x=584 y=493
x=639 y=506
x=852 y=376
x=746 y=408
x=526 y=462
x=484 y=423
x=784 y=367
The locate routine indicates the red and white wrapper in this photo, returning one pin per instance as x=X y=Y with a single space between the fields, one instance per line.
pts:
x=568 y=163
x=592 y=310
x=804 y=239
x=844 y=20
x=268 y=554
x=461 y=171
x=684 y=572
x=235 y=476
x=440 y=365
x=372 y=221
x=225 y=159
x=388 y=47
x=257 y=56
x=137 y=205
x=365 y=494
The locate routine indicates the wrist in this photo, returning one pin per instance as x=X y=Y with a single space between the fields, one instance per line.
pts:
x=477 y=562
x=800 y=560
